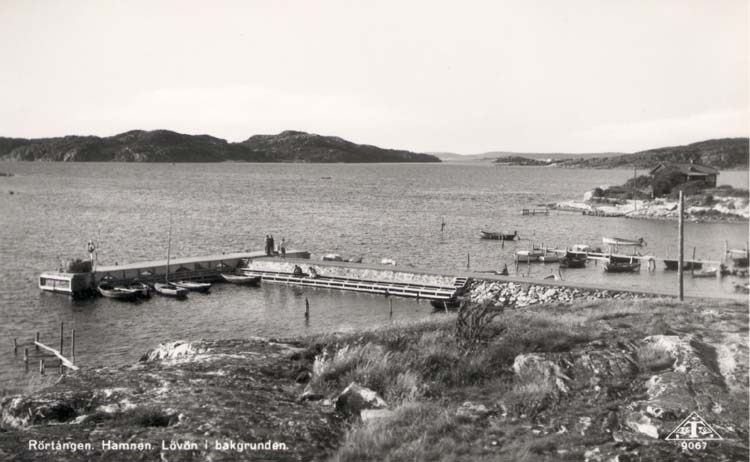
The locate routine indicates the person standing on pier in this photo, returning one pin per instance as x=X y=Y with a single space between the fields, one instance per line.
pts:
x=282 y=247
x=268 y=245
x=271 y=246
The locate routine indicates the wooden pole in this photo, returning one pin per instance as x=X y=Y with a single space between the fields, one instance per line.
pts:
x=391 y=301
x=307 y=308
x=41 y=366
x=726 y=249
x=681 y=249
x=26 y=356
x=468 y=260
x=692 y=263
x=15 y=347
x=73 y=346
x=62 y=336
x=36 y=341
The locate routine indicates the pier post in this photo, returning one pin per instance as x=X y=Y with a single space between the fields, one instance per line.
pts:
x=41 y=366
x=15 y=347
x=62 y=336
x=391 y=300
x=468 y=260
x=681 y=256
x=36 y=340
x=307 y=308
x=73 y=346
x=26 y=356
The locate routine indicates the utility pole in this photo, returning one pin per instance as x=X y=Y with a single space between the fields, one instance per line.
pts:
x=635 y=201
x=681 y=255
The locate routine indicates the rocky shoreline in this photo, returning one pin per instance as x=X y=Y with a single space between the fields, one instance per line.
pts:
x=561 y=373
x=726 y=210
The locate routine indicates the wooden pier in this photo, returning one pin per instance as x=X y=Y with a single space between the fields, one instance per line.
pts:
x=45 y=353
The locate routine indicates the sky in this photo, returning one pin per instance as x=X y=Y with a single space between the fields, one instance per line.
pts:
x=428 y=76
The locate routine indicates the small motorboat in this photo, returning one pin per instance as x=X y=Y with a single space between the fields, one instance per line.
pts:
x=109 y=290
x=671 y=265
x=170 y=290
x=622 y=267
x=573 y=260
x=241 y=280
x=142 y=289
x=526 y=256
x=331 y=257
x=705 y=273
x=202 y=287
x=497 y=236
x=620 y=242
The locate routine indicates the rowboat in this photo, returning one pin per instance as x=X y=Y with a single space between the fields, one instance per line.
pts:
x=497 y=236
x=142 y=289
x=445 y=305
x=202 y=287
x=671 y=265
x=549 y=257
x=617 y=241
x=622 y=267
x=706 y=273
x=170 y=290
x=241 y=280
x=109 y=290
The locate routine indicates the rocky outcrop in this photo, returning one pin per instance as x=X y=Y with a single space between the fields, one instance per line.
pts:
x=356 y=398
x=520 y=295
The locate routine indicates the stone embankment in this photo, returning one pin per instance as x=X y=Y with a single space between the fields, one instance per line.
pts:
x=511 y=294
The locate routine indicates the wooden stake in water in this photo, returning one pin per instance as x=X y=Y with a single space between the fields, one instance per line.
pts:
x=73 y=346
x=62 y=336
x=468 y=260
x=36 y=347
x=15 y=347
x=307 y=308
x=681 y=255
x=391 y=300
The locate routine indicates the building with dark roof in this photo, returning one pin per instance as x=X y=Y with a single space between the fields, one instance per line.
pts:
x=691 y=172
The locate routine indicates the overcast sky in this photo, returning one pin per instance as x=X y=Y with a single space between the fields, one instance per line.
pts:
x=467 y=77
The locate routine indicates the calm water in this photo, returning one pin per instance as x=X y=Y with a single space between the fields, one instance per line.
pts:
x=376 y=211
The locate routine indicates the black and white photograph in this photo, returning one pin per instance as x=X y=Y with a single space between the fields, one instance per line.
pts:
x=354 y=231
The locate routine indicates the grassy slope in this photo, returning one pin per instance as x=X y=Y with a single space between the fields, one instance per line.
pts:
x=426 y=376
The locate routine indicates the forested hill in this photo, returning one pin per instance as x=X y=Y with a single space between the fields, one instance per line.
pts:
x=723 y=153
x=169 y=146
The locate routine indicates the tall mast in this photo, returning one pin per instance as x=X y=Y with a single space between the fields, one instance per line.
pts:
x=169 y=246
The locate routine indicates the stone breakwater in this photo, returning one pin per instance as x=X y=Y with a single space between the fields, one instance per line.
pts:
x=513 y=294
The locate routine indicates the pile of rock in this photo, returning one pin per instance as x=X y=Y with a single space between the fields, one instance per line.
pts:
x=520 y=295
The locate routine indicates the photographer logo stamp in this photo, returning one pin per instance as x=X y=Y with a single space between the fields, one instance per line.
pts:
x=693 y=433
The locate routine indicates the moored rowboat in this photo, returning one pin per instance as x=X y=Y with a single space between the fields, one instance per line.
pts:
x=116 y=292
x=170 y=290
x=192 y=286
x=706 y=273
x=622 y=267
x=617 y=241
x=497 y=236
x=241 y=280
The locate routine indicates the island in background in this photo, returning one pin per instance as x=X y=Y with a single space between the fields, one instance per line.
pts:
x=169 y=146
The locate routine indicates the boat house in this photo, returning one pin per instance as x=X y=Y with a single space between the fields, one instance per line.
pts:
x=690 y=171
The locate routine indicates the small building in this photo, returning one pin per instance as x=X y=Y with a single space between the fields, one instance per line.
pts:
x=691 y=172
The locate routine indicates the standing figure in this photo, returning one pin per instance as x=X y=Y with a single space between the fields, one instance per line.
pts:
x=91 y=247
x=282 y=247
x=271 y=245
x=268 y=245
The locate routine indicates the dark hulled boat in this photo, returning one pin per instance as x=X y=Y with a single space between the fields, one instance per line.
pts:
x=497 y=236
x=622 y=267
x=573 y=260
x=671 y=265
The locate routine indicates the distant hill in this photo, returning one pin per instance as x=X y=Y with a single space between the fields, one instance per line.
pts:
x=169 y=146
x=492 y=155
x=721 y=153
x=293 y=146
x=519 y=160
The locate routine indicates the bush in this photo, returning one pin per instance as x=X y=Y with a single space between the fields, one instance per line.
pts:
x=665 y=180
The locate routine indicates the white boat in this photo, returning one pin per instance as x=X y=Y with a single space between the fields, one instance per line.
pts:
x=192 y=286
x=549 y=257
x=109 y=290
x=617 y=241
x=241 y=280
x=170 y=290
x=705 y=273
